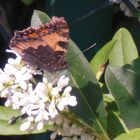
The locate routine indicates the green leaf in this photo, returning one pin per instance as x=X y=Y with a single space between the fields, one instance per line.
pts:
x=90 y=106
x=135 y=66
x=114 y=123
x=39 y=18
x=123 y=84
x=124 y=50
x=132 y=135
x=115 y=126
x=7 y=113
x=90 y=101
x=27 y=2
x=12 y=129
x=101 y=58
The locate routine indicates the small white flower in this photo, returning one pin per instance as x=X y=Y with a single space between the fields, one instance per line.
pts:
x=33 y=98
x=55 y=91
x=60 y=106
x=45 y=81
x=25 y=126
x=46 y=115
x=4 y=78
x=4 y=93
x=1 y=86
x=40 y=126
x=50 y=86
x=41 y=89
x=52 y=110
x=11 y=61
x=8 y=103
x=30 y=119
x=68 y=89
x=66 y=138
x=53 y=136
x=63 y=81
x=72 y=101
x=23 y=85
x=23 y=101
x=39 y=117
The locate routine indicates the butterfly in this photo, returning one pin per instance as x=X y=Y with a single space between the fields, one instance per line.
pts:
x=45 y=46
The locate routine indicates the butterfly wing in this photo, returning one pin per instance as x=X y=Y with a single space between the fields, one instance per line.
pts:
x=44 y=46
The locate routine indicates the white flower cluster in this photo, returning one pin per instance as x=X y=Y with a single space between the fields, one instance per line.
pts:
x=69 y=130
x=41 y=101
x=123 y=6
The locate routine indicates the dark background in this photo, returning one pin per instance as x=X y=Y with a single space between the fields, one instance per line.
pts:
x=100 y=22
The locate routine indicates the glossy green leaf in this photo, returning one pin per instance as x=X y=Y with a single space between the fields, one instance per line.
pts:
x=12 y=129
x=102 y=56
x=123 y=84
x=39 y=18
x=90 y=106
x=135 y=66
x=114 y=123
x=124 y=50
x=115 y=126
x=132 y=135
x=90 y=102
x=7 y=113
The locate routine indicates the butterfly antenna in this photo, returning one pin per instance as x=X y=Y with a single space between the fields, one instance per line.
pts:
x=89 y=48
x=85 y=50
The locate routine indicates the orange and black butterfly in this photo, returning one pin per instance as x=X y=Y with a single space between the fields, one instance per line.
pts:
x=44 y=46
